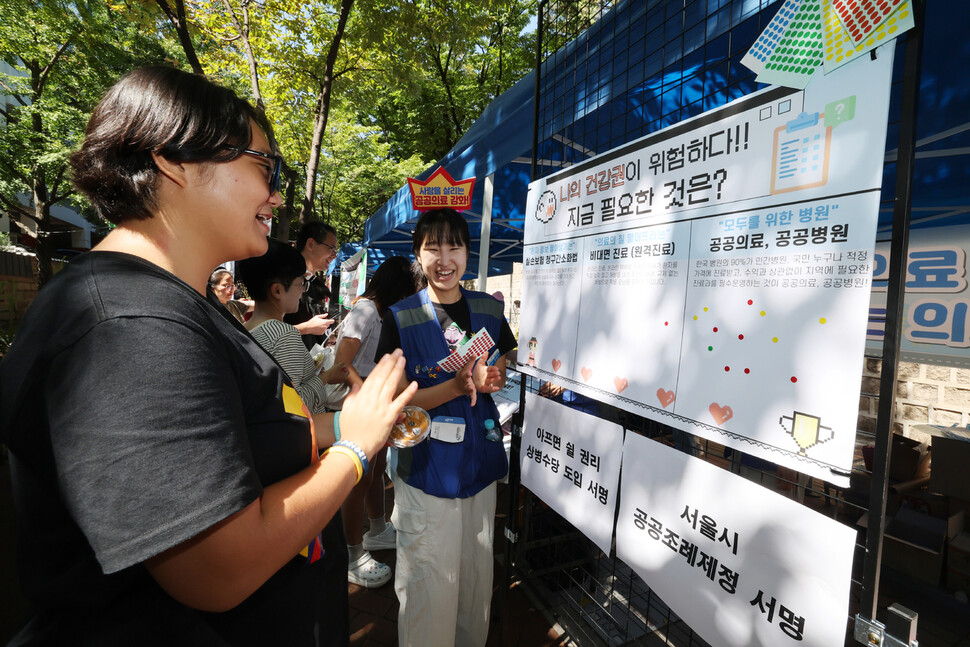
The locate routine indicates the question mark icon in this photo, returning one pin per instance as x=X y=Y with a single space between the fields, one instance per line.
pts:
x=839 y=111
x=722 y=173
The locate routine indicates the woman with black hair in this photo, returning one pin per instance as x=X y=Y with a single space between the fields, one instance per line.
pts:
x=445 y=487
x=361 y=330
x=165 y=472
x=224 y=287
x=275 y=283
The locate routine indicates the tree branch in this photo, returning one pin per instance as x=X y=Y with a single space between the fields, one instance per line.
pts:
x=44 y=73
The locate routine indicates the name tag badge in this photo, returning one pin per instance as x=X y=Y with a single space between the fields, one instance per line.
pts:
x=448 y=429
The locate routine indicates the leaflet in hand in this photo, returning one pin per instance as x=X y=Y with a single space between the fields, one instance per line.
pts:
x=478 y=345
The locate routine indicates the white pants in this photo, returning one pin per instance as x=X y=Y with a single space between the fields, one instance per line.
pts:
x=443 y=577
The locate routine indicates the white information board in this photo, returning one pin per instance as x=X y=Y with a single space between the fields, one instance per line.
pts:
x=715 y=276
x=741 y=565
x=571 y=460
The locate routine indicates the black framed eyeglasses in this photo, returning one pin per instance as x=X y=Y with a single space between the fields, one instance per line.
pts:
x=328 y=246
x=274 y=179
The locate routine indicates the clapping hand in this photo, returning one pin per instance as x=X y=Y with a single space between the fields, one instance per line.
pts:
x=370 y=410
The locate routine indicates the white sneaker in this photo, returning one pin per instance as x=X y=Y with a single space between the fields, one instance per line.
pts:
x=384 y=540
x=368 y=572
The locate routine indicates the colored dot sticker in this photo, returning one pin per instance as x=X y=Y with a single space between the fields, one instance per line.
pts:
x=705 y=309
x=750 y=302
x=710 y=348
x=774 y=340
x=715 y=328
x=747 y=370
x=793 y=379
x=740 y=336
x=666 y=323
x=822 y=320
x=695 y=317
x=727 y=368
x=763 y=313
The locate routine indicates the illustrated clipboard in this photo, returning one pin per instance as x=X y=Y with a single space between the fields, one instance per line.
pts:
x=800 y=159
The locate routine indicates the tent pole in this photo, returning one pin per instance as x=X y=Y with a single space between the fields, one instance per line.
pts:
x=486 y=235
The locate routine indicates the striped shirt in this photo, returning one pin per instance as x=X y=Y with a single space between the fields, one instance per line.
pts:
x=284 y=343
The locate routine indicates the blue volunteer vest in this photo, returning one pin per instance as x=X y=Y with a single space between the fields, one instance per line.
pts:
x=441 y=469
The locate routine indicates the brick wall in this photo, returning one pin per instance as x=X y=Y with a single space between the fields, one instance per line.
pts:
x=925 y=394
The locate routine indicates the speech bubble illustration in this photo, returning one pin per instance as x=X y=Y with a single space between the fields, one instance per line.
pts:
x=839 y=111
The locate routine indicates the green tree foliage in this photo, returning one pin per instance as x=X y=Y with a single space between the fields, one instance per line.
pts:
x=64 y=55
x=358 y=174
x=446 y=62
x=361 y=93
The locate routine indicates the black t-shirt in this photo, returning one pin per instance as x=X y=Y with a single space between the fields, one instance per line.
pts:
x=139 y=414
x=456 y=323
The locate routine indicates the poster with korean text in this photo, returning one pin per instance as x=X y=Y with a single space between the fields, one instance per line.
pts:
x=571 y=460
x=741 y=565
x=715 y=275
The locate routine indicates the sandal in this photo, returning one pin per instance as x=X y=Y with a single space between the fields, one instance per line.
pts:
x=368 y=572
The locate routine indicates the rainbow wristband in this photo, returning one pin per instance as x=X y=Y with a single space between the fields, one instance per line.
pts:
x=352 y=456
x=355 y=448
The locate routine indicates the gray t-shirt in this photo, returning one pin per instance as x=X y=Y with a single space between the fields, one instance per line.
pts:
x=363 y=323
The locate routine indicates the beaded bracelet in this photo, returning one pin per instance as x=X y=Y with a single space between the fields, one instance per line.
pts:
x=336 y=425
x=349 y=453
x=354 y=447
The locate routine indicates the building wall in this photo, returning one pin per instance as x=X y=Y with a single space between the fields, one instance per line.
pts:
x=925 y=394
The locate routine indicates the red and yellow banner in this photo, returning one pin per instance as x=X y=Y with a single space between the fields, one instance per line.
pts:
x=441 y=191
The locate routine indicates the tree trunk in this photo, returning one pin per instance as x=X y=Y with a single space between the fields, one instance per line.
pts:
x=176 y=16
x=285 y=212
x=322 y=113
x=243 y=29
x=45 y=244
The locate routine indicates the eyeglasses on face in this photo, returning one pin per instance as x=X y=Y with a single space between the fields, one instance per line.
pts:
x=328 y=246
x=274 y=179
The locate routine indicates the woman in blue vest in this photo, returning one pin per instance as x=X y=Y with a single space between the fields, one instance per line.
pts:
x=444 y=488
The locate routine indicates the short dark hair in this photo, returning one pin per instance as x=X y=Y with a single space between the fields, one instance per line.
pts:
x=316 y=230
x=393 y=281
x=280 y=264
x=441 y=226
x=180 y=116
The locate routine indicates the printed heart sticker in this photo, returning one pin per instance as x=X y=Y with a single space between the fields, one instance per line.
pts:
x=556 y=364
x=620 y=383
x=665 y=397
x=721 y=414
x=586 y=373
